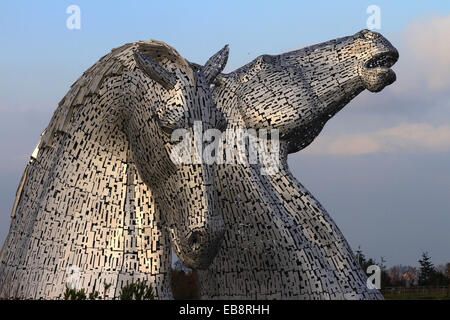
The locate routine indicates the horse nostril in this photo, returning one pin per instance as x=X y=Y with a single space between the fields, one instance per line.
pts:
x=194 y=241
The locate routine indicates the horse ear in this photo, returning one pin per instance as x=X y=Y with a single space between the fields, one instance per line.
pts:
x=215 y=64
x=155 y=71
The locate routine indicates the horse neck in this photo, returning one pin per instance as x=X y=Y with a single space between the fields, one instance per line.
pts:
x=108 y=192
x=287 y=206
x=85 y=199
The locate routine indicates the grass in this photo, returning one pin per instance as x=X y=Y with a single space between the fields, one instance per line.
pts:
x=417 y=294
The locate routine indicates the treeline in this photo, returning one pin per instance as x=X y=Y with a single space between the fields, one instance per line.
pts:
x=184 y=282
x=426 y=274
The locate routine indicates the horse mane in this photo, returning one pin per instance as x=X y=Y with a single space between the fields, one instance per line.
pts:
x=110 y=65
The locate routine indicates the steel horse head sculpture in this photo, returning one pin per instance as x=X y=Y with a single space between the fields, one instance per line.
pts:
x=102 y=196
x=280 y=243
x=101 y=189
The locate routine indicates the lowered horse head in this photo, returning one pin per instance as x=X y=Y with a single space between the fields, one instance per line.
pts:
x=103 y=191
x=170 y=94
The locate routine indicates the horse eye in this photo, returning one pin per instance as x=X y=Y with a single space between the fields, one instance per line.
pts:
x=167 y=130
x=164 y=127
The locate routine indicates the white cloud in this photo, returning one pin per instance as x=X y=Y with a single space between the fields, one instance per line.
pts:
x=425 y=51
x=404 y=138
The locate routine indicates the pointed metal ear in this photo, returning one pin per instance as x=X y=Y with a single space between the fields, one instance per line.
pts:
x=215 y=64
x=155 y=71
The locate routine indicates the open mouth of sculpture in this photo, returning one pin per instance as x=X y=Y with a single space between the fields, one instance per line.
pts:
x=195 y=242
x=377 y=73
x=383 y=60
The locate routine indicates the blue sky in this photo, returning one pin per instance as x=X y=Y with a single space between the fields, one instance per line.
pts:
x=392 y=198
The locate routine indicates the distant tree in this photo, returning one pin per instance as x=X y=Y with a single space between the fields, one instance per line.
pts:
x=438 y=278
x=368 y=263
x=385 y=278
x=447 y=271
x=427 y=271
x=409 y=276
x=382 y=263
x=360 y=258
x=362 y=261
x=395 y=275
